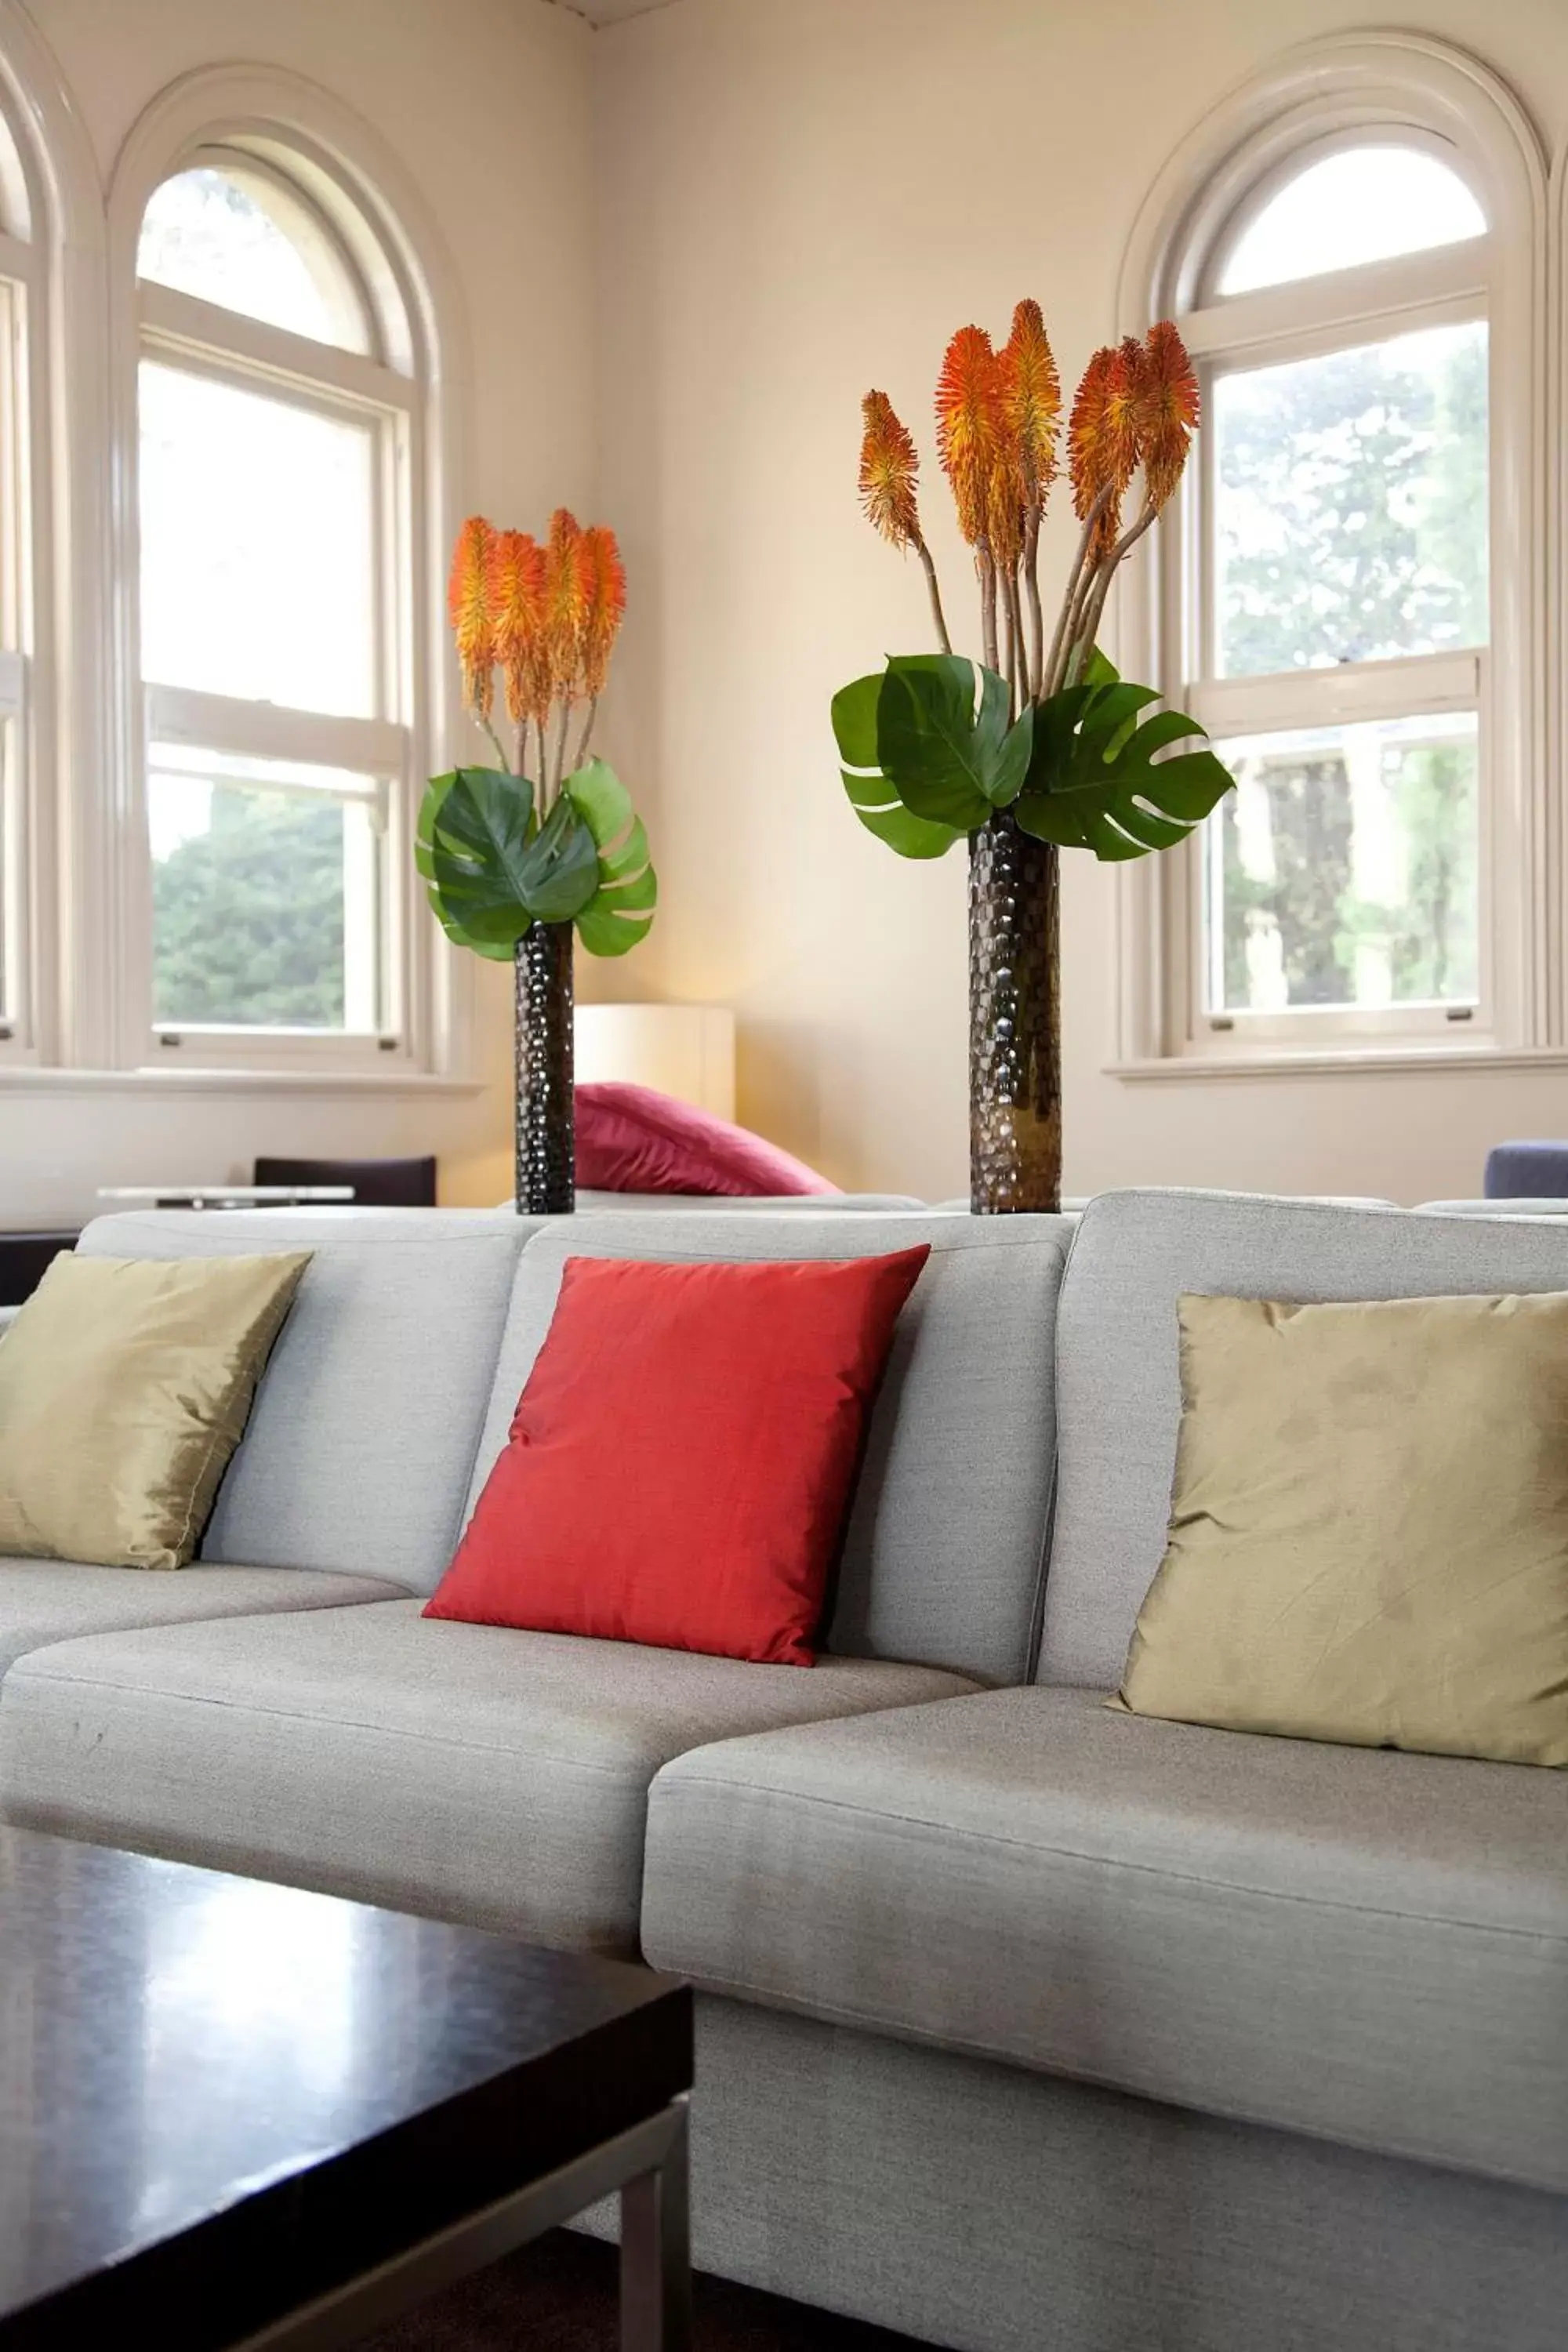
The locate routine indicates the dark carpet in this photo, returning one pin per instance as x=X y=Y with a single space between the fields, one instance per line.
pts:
x=559 y=2295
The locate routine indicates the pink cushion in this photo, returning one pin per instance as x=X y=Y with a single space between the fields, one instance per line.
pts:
x=632 y=1140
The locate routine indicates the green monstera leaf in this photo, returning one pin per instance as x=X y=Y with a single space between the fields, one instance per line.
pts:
x=621 y=910
x=924 y=764
x=1094 y=781
x=492 y=869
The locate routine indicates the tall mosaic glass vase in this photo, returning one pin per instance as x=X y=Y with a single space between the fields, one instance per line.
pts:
x=1015 y=1024
x=546 y=1144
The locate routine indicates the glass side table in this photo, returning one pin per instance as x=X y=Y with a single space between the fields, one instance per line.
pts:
x=226 y=1196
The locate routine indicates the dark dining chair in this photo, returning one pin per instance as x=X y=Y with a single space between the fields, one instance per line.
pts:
x=377 y=1183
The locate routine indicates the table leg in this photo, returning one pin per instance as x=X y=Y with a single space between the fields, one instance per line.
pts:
x=656 y=2252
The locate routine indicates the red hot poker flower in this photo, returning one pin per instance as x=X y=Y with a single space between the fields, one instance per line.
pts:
x=1102 y=434
x=970 y=428
x=1167 y=411
x=889 y=473
x=516 y=597
x=468 y=602
x=1031 y=400
x=601 y=586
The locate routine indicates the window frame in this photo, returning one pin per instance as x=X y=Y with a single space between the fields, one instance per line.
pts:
x=182 y=332
x=1306 y=318
x=19 y=926
x=379 y=225
x=1366 y=91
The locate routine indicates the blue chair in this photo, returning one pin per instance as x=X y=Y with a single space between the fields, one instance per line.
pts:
x=1527 y=1171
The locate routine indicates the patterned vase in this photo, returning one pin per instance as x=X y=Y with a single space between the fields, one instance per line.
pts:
x=1014 y=1027
x=546 y=1148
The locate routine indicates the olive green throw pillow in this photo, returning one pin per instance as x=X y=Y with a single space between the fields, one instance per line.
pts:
x=1369 y=1528
x=124 y=1387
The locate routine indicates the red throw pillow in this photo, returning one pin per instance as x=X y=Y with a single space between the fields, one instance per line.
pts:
x=680 y=1459
x=633 y=1140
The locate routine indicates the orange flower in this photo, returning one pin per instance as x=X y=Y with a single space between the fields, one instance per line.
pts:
x=602 y=585
x=1005 y=511
x=889 y=473
x=1167 y=411
x=970 y=426
x=515 y=584
x=1102 y=434
x=565 y=604
x=468 y=601
x=1031 y=401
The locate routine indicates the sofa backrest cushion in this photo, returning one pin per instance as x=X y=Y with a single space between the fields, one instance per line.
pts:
x=943 y=1549
x=357 y=1452
x=1119 y=1403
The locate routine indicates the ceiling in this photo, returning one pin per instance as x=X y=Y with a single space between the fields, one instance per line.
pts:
x=611 y=12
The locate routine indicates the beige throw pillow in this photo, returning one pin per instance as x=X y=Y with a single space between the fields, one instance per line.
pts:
x=1369 y=1528
x=124 y=1387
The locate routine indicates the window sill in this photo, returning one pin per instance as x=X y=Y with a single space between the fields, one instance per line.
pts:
x=1350 y=1061
x=23 y=1078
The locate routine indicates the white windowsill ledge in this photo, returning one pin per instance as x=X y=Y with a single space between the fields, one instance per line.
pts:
x=25 y=1078
x=1375 y=1061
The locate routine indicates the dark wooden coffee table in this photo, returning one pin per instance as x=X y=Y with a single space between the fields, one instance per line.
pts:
x=236 y=2114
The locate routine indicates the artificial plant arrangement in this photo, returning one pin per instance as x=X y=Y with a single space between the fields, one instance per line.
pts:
x=519 y=855
x=1041 y=746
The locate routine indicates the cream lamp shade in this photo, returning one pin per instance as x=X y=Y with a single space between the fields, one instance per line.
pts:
x=684 y=1050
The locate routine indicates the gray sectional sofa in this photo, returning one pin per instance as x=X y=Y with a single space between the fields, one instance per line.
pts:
x=1022 y=2024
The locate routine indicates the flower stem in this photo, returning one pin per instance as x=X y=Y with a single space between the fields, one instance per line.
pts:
x=1035 y=672
x=1063 y=641
x=1095 y=603
x=937 y=614
x=561 y=745
x=987 y=605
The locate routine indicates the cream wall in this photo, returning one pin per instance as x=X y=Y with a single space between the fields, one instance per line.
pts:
x=802 y=198
x=487 y=104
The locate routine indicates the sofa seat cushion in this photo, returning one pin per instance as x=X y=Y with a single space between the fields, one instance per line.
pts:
x=1362 y=1945
x=468 y=1771
x=48 y=1600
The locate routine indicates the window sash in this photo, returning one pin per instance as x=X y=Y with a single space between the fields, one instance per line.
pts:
x=1420 y=687
x=17 y=1014
x=14 y=894
x=1408 y=687
x=1307 y=318
x=177 y=330
x=184 y=331
x=374 y=748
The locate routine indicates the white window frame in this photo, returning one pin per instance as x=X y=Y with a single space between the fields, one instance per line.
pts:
x=19 y=925
x=180 y=331
x=333 y=168
x=51 y=246
x=1377 y=89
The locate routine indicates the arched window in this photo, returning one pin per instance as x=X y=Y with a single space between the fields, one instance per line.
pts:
x=51 y=459
x=18 y=277
x=279 y=426
x=1353 y=281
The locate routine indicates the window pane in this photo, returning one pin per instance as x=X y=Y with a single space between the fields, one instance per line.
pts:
x=1343 y=869
x=257 y=538
x=265 y=896
x=244 y=244
x=1351 y=504
x=1365 y=203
